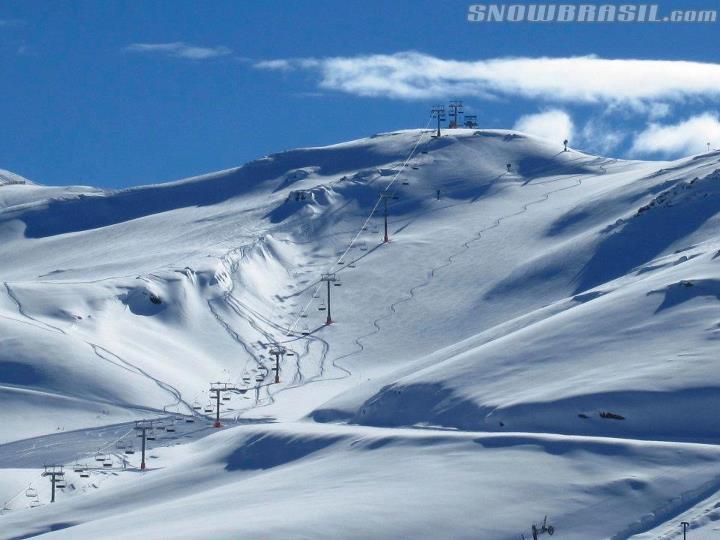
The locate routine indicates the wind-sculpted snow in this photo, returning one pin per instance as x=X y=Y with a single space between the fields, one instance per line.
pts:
x=533 y=340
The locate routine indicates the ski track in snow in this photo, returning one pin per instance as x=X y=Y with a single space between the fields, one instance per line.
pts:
x=449 y=260
x=124 y=364
x=256 y=321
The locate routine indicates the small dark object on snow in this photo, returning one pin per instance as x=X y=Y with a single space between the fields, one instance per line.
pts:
x=539 y=530
x=612 y=416
x=583 y=415
x=155 y=299
x=686 y=283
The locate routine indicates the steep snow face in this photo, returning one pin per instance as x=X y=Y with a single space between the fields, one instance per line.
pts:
x=547 y=299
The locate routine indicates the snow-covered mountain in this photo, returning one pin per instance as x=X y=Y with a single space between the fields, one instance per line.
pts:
x=538 y=337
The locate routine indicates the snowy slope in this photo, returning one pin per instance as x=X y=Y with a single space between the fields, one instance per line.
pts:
x=548 y=329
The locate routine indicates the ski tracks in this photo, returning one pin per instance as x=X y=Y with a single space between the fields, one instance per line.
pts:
x=392 y=309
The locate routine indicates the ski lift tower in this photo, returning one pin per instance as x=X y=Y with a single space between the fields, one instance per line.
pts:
x=456 y=109
x=216 y=390
x=329 y=278
x=56 y=475
x=142 y=427
x=277 y=351
x=438 y=111
x=387 y=197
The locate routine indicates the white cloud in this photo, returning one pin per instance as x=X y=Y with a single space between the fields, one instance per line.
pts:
x=274 y=65
x=688 y=137
x=178 y=49
x=659 y=110
x=599 y=137
x=586 y=79
x=553 y=124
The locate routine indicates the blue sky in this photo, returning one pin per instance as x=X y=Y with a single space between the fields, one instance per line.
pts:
x=116 y=94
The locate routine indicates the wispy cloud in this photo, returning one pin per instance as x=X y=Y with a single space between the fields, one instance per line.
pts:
x=599 y=136
x=553 y=124
x=179 y=49
x=580 y=79
x=687 y=137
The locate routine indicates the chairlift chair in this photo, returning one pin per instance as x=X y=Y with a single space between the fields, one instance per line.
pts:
x=208 y=409
x=85 y=474
x=226 y=398
x=150 y=436
x=60 y=484
x=170 y=429
x=322 y=307
x=107 y=464
x=31 y=492
x=189 y=420
x=196 y=406
x=35 y=503
x=99 y=457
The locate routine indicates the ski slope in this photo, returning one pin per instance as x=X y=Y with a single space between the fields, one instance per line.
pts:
x=533 y=340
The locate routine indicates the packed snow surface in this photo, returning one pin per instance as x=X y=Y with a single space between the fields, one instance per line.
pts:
x=537 y=338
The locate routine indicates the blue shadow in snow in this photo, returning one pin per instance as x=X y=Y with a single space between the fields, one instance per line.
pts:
x=643 y=238
x=555 y=448
x=45 y=530
x=679 y=293
x=265 y=451
x=19 y=373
